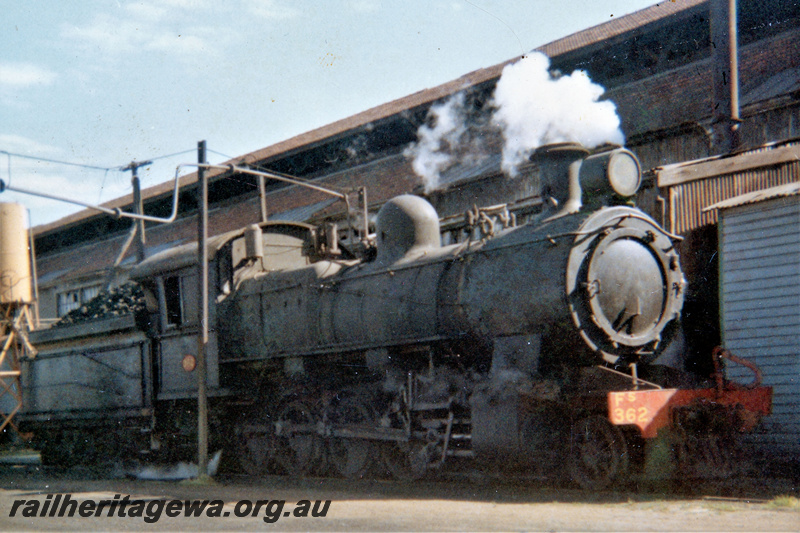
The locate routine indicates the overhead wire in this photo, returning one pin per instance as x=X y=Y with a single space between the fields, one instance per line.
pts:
x=120 y=168
x=117 y=212
x=102 y=186
x=48 y=160
x=173 y=155
x=6 y=185
x=231 y=177
x=151 y=159
x=219 y=153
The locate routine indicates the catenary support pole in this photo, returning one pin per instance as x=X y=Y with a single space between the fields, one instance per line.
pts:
x=202 y=337
x=138 y=207
x=262 y=195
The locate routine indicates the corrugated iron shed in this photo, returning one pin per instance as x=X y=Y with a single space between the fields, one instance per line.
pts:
x=759 y=249
x=781 y=191
x=694 y=186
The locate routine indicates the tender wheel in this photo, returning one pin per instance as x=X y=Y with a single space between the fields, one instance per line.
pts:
x=56 y=454
x=406 y=461
x=300 y=448
x=352 y=458
x=598 y=453
x=65 y=449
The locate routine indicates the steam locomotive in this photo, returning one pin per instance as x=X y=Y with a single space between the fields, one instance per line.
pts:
x=533 y=347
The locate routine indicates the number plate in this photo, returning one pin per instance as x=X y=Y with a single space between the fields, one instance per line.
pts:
x=649 y=410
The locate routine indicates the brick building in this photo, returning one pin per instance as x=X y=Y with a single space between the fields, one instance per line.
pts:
x=655 y=65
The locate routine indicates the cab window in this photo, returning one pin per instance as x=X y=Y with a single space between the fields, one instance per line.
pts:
x=180 y=299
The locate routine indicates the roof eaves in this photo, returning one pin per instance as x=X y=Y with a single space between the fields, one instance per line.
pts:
x=781 y=191
x=594 y=35
x=677 y=173
x=658 y=13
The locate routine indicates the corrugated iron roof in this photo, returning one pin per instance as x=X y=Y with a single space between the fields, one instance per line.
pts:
x=488 y=164
x=641 y=103
x=305 y=212
x=593 y=35
x=781 y=191
x=675 y=174
x=785 y=82
x=619 y=26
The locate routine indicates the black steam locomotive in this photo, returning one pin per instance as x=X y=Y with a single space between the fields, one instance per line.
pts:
x=527 y=349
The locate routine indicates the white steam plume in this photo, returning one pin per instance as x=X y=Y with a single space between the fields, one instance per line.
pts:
x=531 y=108
x=534 y=108
x=437 y=144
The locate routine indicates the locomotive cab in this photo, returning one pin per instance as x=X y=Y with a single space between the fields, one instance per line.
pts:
x=171 y=286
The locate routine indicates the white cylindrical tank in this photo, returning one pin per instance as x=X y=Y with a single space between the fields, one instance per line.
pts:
x=15 y=266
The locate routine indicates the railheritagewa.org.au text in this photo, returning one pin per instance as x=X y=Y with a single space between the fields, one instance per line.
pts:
x=152 y=510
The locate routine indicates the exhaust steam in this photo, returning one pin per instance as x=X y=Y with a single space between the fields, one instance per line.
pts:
x=531 y=106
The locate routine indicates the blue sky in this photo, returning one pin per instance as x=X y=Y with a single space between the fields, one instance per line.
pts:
x=106 y=82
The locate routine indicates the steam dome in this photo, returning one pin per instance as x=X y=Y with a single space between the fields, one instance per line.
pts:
x=406 y=225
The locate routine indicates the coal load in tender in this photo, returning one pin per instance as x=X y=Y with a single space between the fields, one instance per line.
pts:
x=117 y=301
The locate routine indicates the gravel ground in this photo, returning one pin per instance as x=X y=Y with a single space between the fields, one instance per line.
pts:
x=452 y=505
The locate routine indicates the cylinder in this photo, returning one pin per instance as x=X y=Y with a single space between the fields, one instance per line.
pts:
x=15 y=266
